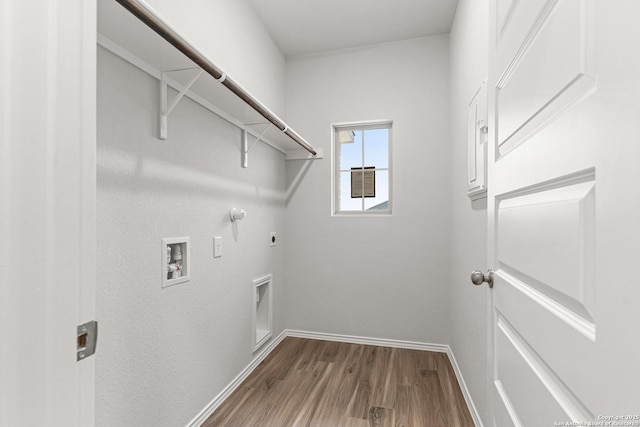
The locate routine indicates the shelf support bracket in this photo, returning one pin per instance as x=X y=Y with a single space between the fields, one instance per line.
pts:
x=166 y=110
x=244 y=160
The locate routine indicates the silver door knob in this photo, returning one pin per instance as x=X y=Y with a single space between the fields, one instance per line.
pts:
x=478 y=277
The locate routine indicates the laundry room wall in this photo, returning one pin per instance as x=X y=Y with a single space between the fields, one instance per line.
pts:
x=383 y=276
x=165 y=353
x=468 y=251
x=233 y=36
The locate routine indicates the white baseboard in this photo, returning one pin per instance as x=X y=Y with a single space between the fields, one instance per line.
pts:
x=351 y=339
x=199 y=419
x=465 y=391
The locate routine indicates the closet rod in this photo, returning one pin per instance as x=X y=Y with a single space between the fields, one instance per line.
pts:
x=148 y=16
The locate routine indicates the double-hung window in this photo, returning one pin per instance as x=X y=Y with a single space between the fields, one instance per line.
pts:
x=362 y=168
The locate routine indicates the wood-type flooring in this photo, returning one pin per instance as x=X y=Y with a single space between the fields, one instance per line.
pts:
x=306 y=382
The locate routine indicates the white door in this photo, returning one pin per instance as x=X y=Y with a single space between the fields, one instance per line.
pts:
x=47 y=209
x=564 y=211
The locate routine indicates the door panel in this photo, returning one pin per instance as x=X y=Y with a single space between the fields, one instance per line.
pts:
x=564 y=107
x=555 y=223
x=504 y=9
x=518 y=363
x=551 y=70
x=503 y=413
x=564 y=342
x=516 y=21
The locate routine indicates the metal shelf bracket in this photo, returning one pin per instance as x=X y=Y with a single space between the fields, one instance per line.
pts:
x=166 y=110
x=149 y=17
x=244 y=159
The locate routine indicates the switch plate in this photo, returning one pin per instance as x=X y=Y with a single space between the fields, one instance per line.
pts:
x=217 y=247
x=272 y=238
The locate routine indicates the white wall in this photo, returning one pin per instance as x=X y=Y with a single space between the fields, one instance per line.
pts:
x=468 y=305
x=47 y=210
x=383 y=277
x=165 y=353
x=234 y=38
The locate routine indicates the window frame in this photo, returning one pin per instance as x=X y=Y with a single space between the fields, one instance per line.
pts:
x=335 y=166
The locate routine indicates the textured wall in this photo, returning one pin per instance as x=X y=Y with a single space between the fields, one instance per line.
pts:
x=468 y=313
x=165 y=353
x=232 y=35
x=383 y=277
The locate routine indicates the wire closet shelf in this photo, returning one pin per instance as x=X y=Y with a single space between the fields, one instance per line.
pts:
x=144 y=13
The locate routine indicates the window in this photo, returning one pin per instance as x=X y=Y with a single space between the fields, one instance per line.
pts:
x=362 y=168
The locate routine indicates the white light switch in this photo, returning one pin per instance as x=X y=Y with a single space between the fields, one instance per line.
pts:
x=217 y=247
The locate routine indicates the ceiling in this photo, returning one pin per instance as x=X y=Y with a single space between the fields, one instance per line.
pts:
x=302 y=27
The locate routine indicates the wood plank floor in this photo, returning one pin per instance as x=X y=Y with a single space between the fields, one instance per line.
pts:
x=317 y=383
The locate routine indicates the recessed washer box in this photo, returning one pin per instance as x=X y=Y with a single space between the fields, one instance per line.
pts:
x=176 y=259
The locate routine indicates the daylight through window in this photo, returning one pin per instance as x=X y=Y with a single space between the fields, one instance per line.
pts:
x=362 y=167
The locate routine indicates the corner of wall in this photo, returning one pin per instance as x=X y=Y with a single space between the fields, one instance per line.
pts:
x=468 y=238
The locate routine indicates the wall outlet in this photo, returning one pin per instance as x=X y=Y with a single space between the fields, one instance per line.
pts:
x=272 y=238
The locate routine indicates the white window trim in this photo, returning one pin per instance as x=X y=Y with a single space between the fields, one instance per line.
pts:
x=335 y=169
